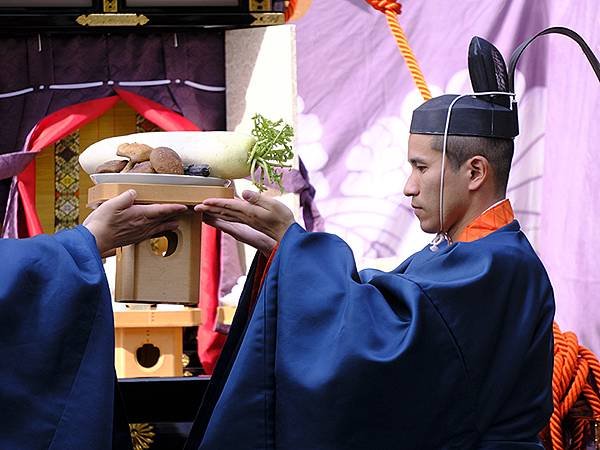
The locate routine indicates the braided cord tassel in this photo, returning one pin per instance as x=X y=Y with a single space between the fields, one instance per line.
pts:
x=392 y=9
x=575 y=377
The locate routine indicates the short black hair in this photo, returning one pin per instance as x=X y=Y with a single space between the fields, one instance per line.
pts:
x=498 y=152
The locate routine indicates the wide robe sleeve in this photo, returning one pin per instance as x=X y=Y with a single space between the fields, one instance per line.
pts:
x=58 y=384
x=331 y=362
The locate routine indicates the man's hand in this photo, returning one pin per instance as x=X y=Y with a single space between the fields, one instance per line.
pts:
x=242 y=233
x=265 y=215
x=118 y=222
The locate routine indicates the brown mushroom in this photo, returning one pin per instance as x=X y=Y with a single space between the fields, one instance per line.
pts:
x=113 y=166
x=135 y=152
x=143 y=167
x=166 y=160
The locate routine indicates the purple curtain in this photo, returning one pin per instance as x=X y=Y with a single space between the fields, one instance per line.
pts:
x=355 y=111
x=44 y=73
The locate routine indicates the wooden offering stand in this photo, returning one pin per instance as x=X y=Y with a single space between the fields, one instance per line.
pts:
x=149 y=343
x=164 y=269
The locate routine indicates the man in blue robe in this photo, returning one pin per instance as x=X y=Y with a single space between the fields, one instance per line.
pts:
x=58 y=388
x=451 y=350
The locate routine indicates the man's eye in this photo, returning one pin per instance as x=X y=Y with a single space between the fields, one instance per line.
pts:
x=421 y=168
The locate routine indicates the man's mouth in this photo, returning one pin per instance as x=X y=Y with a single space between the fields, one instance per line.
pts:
x=417 y=211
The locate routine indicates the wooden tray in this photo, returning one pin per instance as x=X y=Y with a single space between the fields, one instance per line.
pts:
x=158 y=193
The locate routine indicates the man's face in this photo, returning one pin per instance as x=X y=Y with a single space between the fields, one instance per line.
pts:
x=423 y=186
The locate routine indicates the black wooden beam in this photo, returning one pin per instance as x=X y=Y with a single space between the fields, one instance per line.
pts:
x=162 y=399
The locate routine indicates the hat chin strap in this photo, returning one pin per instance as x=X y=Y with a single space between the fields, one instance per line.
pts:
x=443 y=235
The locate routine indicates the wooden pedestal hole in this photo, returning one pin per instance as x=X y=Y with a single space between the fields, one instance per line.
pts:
x=165 y=244
x=147 y=355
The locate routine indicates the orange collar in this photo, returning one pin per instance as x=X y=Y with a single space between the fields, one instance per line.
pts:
x=490 y=220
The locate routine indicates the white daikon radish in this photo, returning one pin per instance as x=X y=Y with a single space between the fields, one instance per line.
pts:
x=229 y=155
x=225 y=152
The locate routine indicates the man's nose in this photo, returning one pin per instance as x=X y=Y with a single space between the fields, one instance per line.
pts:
x=410 y=187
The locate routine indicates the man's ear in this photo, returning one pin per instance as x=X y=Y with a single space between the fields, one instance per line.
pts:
x=478 y=171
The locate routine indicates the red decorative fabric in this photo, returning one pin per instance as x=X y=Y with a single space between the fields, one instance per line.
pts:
x=49 y=130
x=210 y=342
x=156 y=113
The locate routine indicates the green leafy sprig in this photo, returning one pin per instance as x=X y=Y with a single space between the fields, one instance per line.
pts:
x=272 y=150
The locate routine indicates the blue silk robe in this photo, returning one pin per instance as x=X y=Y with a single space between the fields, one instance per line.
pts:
x=451 y=350
x=58 y=385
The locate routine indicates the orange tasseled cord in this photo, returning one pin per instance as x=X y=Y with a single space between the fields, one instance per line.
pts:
x=574 y=384
x=391 y=9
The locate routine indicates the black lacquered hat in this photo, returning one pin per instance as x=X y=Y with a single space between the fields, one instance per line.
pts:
x=486 y=115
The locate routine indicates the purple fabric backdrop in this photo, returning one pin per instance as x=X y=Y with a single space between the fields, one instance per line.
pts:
x=570 y=240
x=355 y=103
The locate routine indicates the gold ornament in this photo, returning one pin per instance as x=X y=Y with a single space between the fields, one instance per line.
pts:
x=185 y=360
x=112 y=20
x=262 y=19
x=259 y=5
x=142 y=435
